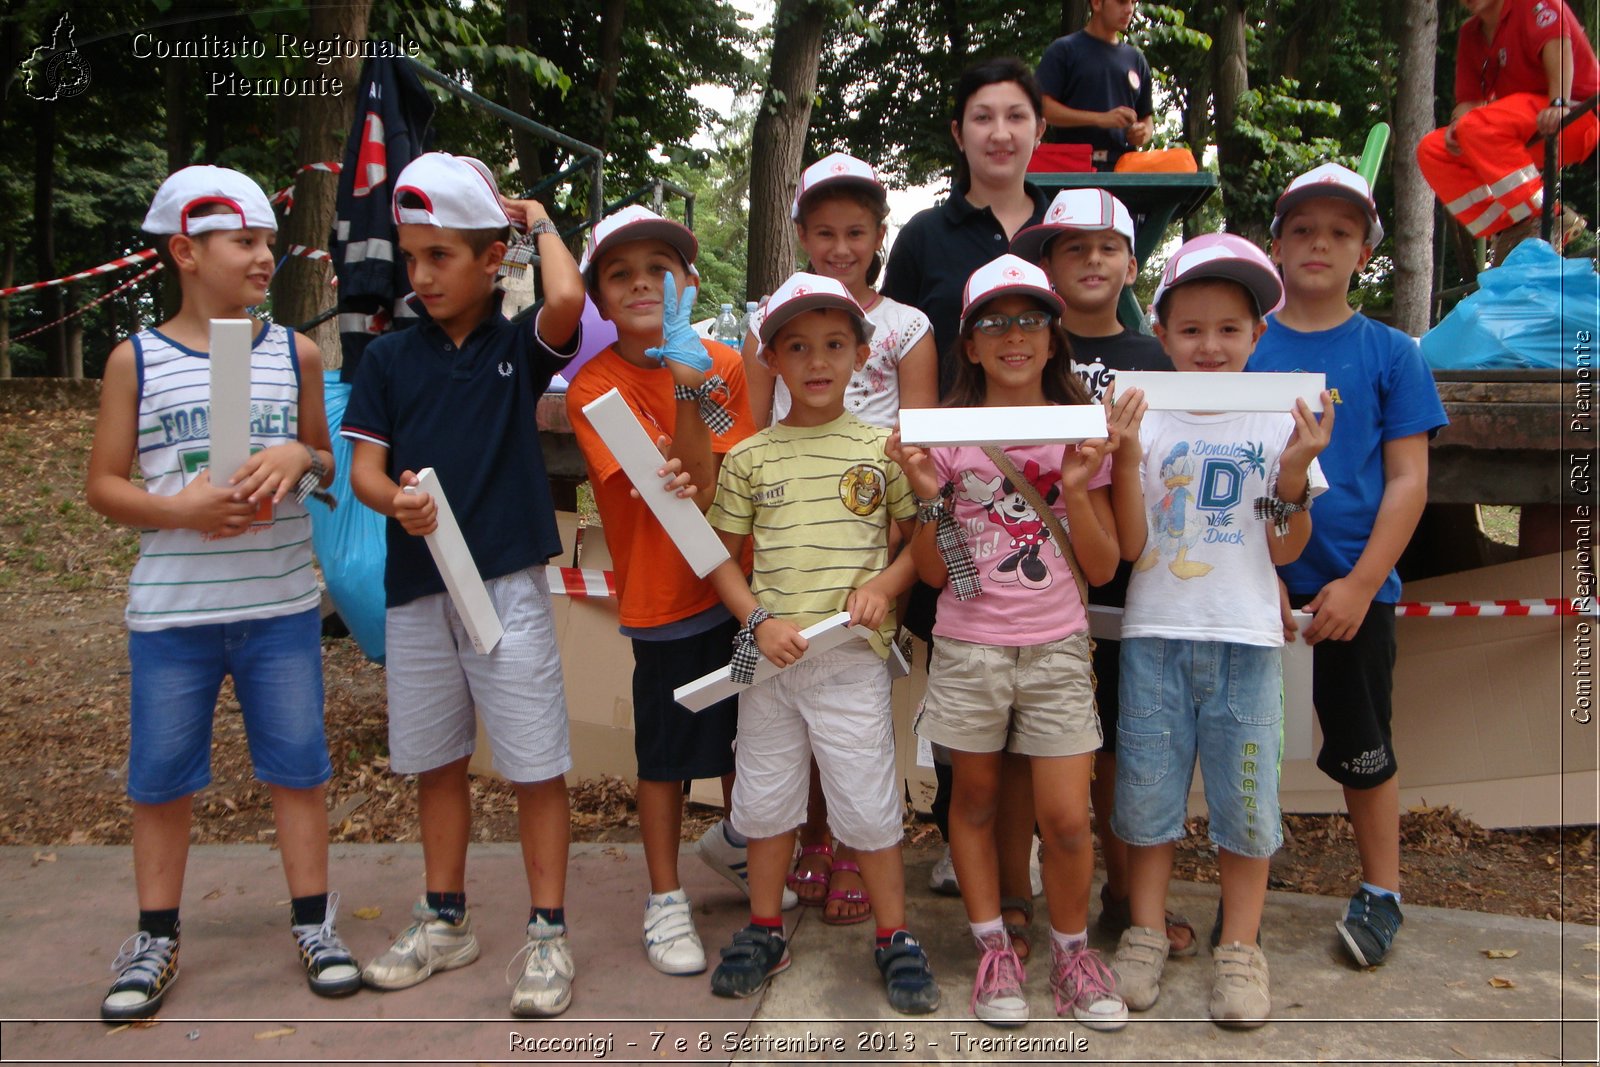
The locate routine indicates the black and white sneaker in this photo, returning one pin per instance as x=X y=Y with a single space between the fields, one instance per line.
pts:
x=146 y=968
x=330 y=969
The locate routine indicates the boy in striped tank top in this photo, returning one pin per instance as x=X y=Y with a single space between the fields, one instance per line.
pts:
x=223 y=584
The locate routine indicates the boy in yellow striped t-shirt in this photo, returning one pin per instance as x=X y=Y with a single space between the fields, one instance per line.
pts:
x=818 y=495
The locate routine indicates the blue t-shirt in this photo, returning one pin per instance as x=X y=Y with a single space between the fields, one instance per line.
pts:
x=1382 y=391
x=469 y=413
x=1083 y=72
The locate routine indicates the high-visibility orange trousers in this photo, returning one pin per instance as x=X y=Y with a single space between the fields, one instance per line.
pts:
x=1497 y=180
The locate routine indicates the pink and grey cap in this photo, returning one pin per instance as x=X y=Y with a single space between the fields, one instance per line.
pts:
x=837 y=169
x=456 y=192
x=1228 y=257
x=200 y=186
x=635 y=223
x=808 y=292
x=1340 y=182
x=1074 y=211
x=1002 y=277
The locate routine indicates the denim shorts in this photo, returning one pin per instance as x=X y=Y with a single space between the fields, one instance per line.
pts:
x=1218 y=700
x=276 y=664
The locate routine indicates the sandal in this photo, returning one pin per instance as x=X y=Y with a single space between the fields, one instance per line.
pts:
x=1021 y=943
x=1116 y=916
x=800 y=877
x=846 y=896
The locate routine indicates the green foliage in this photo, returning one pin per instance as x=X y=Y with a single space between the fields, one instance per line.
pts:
x=1276 y=122
x=720 y=180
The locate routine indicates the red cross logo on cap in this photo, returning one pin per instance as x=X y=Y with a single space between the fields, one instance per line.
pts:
x=1013 y=274
x=840 y=167
x=800 y=290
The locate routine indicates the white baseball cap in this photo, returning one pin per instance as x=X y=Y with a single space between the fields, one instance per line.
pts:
x=193 y=187
x=1074 y=211
x=1000 y=277
x=457 y=192
x=808 y=292
x=635 y=223
x=1331 y=179
x=1226 y=256
x=837 y=169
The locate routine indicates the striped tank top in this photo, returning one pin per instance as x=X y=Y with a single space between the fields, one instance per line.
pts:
x=184 y=577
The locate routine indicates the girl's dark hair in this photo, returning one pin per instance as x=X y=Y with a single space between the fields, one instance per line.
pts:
x=1061 y=385
x=876 y=202
x=991 y=72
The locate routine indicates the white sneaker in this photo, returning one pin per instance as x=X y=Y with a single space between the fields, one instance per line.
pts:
x=669 y=935
x=731 y=861
x=545 y=987
x=430 y=944
x=942 y=879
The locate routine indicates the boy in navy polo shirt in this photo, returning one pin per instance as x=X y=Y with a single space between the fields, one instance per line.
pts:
x=1323 y=232
x=457 y=393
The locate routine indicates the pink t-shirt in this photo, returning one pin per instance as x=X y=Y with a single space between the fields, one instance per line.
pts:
x=1029 y=596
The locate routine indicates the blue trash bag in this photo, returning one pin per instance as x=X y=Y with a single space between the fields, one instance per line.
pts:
x=349 y=541
x=1536 y=311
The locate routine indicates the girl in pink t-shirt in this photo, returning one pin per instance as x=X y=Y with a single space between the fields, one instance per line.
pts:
x=1010 y=668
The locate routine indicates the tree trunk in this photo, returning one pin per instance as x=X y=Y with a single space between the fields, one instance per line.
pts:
x=74 y=327
x=53 y=341
x=780 y=139
x=613 y=14
x=1074 y=13
x=1230 y=74
x=1413 y=199
x=520 y=97
x=176 y=76
x=5 y=312
x=301 y=291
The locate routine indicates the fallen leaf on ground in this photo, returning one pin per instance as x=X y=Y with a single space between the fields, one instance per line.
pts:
x=368 y=913
x=282 y=1031
x=213 y=895
x=1500 y=953
x=1502 y=983
x=1455 y=985
x=1459 y=1051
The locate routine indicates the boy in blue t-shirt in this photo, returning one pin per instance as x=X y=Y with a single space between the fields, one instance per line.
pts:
x=457 y=393
x=1323 y=232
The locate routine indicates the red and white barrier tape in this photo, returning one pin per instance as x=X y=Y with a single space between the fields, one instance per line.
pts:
x=1484 y=609
x=120 y=263
x=310 y=253
x=285 y=196
x=107 y=295
x=580 y=582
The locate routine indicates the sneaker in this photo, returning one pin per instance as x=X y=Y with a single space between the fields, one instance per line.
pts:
x=1502 y=243
x=545 y=986
x=669 y=936
x=997 y=996
x=754 y=956
x=146 y=968
x=1369 y=926
x=907 y=977
x=330 y=969
x=1083 y=984
x=427 y=945
x=1141 y=954
x=942 y=879
x=1569 y=228
x=730 y=861
x=1239 y=987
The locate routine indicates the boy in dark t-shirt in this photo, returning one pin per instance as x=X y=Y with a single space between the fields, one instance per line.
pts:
x=1096 y=86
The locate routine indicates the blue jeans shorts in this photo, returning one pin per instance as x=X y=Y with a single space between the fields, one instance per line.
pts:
x=1218 y=700
x=276 y=664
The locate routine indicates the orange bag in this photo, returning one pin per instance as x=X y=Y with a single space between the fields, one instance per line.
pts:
x=1157 y=161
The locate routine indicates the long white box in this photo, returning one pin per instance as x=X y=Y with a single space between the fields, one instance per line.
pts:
x=617 y=426
x=1224 y=390
x=460 y=573
x=228 y=421
x=719 y=684
x=1004 y=427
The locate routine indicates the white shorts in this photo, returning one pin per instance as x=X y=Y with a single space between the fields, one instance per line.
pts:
x=436 y=678
x=835 y=707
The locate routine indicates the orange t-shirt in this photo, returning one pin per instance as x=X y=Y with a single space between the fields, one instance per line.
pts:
x=655 y=585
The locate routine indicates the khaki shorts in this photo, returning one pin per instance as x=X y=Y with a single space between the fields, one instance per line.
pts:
x=1035 y=700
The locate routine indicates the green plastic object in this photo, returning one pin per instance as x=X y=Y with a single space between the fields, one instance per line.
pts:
x=1372 y=155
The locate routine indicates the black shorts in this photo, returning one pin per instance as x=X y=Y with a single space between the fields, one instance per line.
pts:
x=1107 y=678
x=670 y=742
x=1352 y=686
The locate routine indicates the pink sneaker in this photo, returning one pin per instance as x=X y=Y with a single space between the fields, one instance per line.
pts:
x=1083 y=983
x=997 y=997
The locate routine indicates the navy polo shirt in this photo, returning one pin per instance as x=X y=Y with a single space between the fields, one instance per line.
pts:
x=1081 y=71
x=469 y=413
x=936 y=252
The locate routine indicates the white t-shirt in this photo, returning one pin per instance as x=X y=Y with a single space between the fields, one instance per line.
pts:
x=1206 y=574
x=873 y=395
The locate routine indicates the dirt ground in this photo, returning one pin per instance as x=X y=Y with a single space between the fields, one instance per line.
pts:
x=63 y=732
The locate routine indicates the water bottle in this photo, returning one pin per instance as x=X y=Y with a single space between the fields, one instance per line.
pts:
x=726 y=328
x=750 y=309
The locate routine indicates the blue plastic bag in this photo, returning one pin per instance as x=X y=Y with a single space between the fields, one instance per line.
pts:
x=349 y=540
x=1528 y=313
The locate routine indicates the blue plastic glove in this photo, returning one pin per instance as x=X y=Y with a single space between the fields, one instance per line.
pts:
x=679 y=342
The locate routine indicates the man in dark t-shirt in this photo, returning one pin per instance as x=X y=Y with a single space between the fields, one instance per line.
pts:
x=1097 y=87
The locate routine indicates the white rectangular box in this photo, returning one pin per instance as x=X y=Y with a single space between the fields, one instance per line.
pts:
x=1223 y=390
x=460 y=573
x=617 y=426
x=719 y=684
x=1004 y=427
x=228 y=422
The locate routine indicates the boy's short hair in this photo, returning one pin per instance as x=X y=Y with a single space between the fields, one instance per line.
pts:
x=224 y=198
x=1074 y=211
x=477 y=239
x=635 y=223
x=1223 y=257
x=1337 y=182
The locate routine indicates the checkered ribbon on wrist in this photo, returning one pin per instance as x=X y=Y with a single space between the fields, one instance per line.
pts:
x=713 y=414
x=311 y=485
x=954 y=550
x=1271 y=507
x=746 y=653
